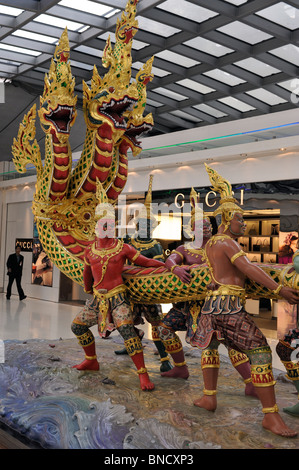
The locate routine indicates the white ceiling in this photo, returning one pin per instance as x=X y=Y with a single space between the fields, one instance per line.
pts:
x=215 y=61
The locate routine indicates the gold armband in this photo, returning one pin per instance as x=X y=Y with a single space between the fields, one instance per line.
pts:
x=135 y=257
x=278 y=289
x=237 y=255
x=177 y=253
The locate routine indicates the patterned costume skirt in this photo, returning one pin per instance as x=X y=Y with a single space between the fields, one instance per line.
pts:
x=119 y=313
x=235 y=328
x=152 y=313
x=179 y=318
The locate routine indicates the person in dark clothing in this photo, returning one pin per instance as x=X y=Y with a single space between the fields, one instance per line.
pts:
x=14 y=270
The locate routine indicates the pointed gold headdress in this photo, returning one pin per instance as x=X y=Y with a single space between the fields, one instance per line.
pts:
x=104 y=209
x=197 y=214
x=228 y=205
x=147 y=212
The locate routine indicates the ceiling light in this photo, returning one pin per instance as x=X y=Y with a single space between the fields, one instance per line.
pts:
x=10 y=11
x=36 y=37
x=59 y=22
x=21 y=50
x=88 y=7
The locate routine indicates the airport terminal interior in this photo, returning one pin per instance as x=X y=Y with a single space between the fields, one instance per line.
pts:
x=222 y=91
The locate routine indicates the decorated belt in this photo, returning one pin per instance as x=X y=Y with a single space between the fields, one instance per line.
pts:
x=103 y=296
x=226 y=290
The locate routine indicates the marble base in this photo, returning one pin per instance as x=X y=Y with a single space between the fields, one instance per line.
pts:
x=43 y=399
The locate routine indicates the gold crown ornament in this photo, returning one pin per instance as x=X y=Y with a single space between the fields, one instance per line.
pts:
x=228 y=204
x=197 y=214
x=146 y=212
x=104 y=208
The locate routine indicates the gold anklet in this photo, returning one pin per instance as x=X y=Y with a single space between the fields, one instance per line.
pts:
x=209 y=392
x=163 y=359
x=179 y=364
x=273 y=409
x=143 y=370
x=90 y=358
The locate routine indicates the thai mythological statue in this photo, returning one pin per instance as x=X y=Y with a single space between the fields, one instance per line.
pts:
x=223 y=316
x=65 y=201
x=143 y=242
x=104 y=259
x=287 y=350
x=184 y=316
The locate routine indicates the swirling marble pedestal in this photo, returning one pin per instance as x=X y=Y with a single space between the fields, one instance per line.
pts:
x=43 y=399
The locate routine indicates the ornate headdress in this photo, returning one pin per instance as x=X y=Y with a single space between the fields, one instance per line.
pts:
x=197 y=214
x=228 y=205
x=104 y=209
x=146 y=212
x=59 y=80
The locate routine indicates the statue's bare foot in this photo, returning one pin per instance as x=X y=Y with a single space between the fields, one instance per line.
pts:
x=145 y=382
x=250 y=390
x=207 y=402
x=273 y=422
x=88 y=364
x=177 y=372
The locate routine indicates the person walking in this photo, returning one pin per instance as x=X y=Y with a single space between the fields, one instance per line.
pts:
x=14 y=265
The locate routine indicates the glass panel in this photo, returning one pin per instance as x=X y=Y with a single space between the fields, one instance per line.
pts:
x=186 y=116
x=290 y=85
x=224 y=77
x=21 y=50
x=154 y=103
x=187 y=10
x=236 y=2
x=176 y=58
x=136 y=44
x=89 y=50
x=209 y=47
x=156 y=71
x=205 y=108
x=289 y=52
x=282 y=14
x=36 y=37
x=88 y=7
x=156 y=28
x=195 y=86
x=59 y=22
x=237 y=104
x=9 y=62
x=170 y=94
x=81 y=65
x=257 y=67
x=244 y=32
x=266 y=96
x=10 y=11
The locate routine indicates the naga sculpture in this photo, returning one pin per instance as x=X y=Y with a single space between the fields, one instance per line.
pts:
x=65 y=197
